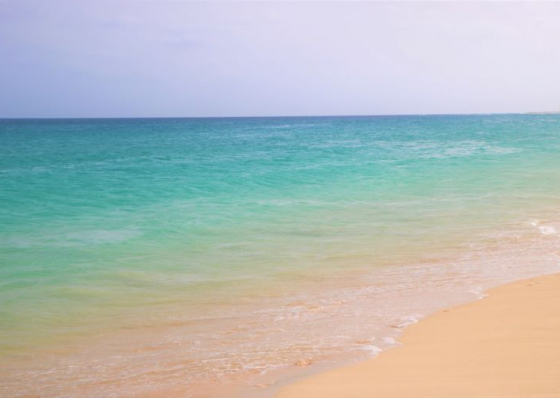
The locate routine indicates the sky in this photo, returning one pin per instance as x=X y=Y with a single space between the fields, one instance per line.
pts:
x=210 y=58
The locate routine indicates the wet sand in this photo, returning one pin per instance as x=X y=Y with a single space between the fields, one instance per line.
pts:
x=505 y=345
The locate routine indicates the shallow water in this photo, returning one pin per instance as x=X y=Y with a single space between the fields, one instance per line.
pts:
x=183 y=253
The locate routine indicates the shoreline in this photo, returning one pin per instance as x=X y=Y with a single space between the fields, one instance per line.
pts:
x=503 y=345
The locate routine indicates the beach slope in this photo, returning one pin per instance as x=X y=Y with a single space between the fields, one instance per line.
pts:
x=506 y=345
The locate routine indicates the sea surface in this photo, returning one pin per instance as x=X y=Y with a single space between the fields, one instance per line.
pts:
x=223 y=257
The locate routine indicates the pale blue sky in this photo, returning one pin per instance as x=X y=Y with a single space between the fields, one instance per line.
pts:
x=183 y=58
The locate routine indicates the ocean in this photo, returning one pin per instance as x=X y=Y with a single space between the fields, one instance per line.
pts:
x=224 y=256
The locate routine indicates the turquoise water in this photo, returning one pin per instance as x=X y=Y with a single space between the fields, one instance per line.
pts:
x=113 y=225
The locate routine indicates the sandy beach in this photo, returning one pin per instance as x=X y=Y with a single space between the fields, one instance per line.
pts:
x=505 y=345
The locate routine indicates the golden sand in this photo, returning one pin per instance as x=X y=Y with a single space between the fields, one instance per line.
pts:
x=506 y=345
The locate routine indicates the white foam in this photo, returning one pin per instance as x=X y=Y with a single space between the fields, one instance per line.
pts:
x=409 y=320
x=478 y=292
x=372 y=349
x=548 y=230
x=390 y=341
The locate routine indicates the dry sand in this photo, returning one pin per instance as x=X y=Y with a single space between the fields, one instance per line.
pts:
x=506 y=345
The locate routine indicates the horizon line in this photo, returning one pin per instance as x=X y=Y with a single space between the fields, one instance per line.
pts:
x=272 y=116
